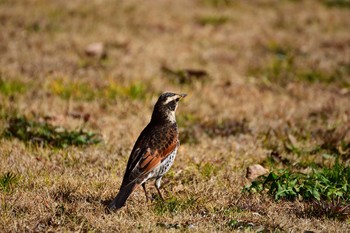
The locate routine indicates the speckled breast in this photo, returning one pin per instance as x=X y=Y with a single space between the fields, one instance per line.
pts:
x=166 y=164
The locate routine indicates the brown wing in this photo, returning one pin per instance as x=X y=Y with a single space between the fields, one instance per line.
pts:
x=149 y=161
x=148 y=152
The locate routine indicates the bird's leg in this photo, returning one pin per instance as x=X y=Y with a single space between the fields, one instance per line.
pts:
x=157 y=184
x=144 y=189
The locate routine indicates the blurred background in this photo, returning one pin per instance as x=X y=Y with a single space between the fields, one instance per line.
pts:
x=268 y=83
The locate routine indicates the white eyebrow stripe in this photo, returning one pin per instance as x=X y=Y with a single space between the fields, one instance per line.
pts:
x=169 y=99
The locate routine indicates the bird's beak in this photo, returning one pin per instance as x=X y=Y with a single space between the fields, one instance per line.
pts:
x=182 y=96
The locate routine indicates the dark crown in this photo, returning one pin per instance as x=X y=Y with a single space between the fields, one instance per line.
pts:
x=164 y=109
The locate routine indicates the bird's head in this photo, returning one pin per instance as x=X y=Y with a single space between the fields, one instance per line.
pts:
x=164 y=109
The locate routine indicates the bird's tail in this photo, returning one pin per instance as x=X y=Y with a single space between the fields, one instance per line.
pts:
x=122 y=196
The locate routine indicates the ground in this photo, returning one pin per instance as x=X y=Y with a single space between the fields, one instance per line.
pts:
x=263 y=78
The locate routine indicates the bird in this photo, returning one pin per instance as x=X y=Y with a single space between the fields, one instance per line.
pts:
x=154 y=151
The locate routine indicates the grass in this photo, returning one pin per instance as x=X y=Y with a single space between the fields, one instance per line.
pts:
x=8 y=181
x=217 y=3
x=11 y=87
x=45 y=134
x=241 y=225
x=173 y=205
x=212 y=20
x=76 y=90
x=193 y=127
x=207 y=170
x=84 y=91
x=337 y=3
x=267 y=83
x=282 y=68
x=185 y=76
x=326 y=183
x=310 y=138
x=226 y=128
x=334 y=209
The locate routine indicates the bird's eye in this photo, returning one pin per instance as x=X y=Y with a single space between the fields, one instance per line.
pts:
x=177 y=100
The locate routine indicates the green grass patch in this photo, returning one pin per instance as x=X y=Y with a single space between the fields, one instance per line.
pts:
x=79 y=90
x=173 y=205
x=43 y=133
x=11 y=87
x=213 y=20
x=321 y=184
x=218 y=3
x=207 y=170
x=282 y=66
x=75 y=89
x=134 y=91
x=337 y=3
x=8 y=181
x=317 y=76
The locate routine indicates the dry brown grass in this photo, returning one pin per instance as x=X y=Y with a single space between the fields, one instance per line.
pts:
x=273 y=66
